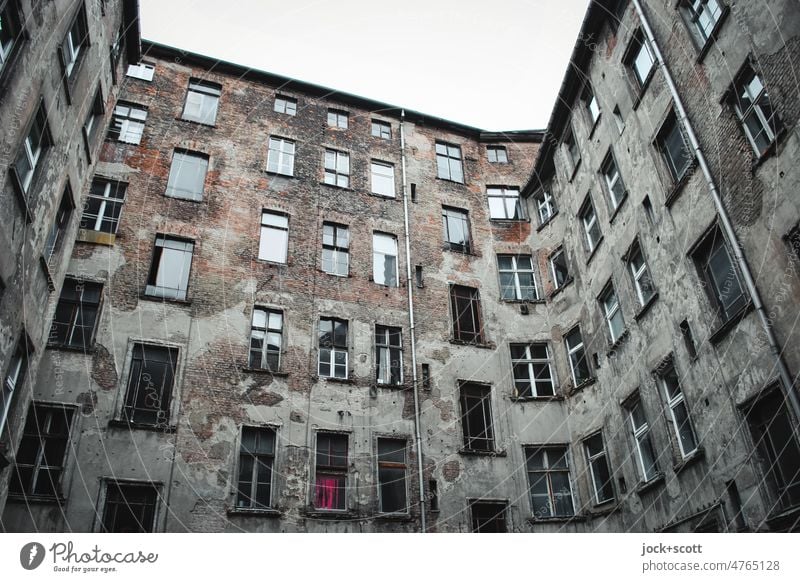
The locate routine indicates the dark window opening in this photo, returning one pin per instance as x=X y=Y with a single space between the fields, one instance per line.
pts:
x=392 y=476
x=330 y=483
x=476 y=417
x=256 y=458
x=76 y=314
x=488 y=517
x=150 y=383
x=130 y=508
x=688 y=338
x=465 y=305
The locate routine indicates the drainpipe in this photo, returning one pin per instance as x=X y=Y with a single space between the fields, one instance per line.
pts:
x=412 y=328
x=785 y=376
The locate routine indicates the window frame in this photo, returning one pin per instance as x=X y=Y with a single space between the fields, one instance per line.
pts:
x=339 y=171
x=505 y=194
x=483 y=393
x=105 y=201
x=335 y=249
x=384 y=129
x=452 y=213
x=54 y=241
x=633 y=53
x=335 y=471
x=172 y=190
x=496 y=149
x=267 y=330
x=143 y=70
x=209 y=95
x=637 y=274
x=392 y=465
x=34 y=159
x=122 y=122
x=612 y=311
x=547 y=470
x=453 y=161
x=256 y=456
x=76 y=313
x=11 y=15
x=598 y=459
x=167 y=395
x=334 y=349
x=545 y=200
x=665 y=139
x=108 y=483
x=388 y=179
x=73 y=47
x=531 y=363
x=771 y=126
x=589 y=98
x=499 y=521
x=279 y=146
x=152 y=289
x=559 y=252
x=577 y=348
x=590 y=223
x=702 y=35
x=383 y=345
x=642 y=438
x=338 y=118
x=572 y=153
x=285 y=104
x=475 y=315
x=611 y=182
x=275 y=214
x=377 y=277
x=515 y=271
x=673 y=402
x=18 y=368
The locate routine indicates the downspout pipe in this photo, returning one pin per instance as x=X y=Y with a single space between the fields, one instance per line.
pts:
x=412 y=329
x=785 y=377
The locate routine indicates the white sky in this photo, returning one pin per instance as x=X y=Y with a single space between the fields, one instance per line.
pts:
x=495 y=64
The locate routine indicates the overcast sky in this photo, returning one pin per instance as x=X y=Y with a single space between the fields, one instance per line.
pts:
x=495 y=64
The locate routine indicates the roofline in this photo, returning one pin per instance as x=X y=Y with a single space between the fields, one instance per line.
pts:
x=158 y=50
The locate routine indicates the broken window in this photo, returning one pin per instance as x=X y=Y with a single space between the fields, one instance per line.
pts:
x=776 y=441
x=187 y=175
x=337 y=118
x=103 y=206
x=559 y=269
x=381 y=129
x=389 y=354
x=392 y=496
x=330 y=478
x=640 y=275
x=150 y=381
x=256 y=459
x=287 y=105
x=616 y=188
x=466 y=312
x=382 y=179
x=549 y=481
x=15 y=376
x=280 y=156
x=42 y=451
x=37 y=141
x=476 y=417
x=612 y=312
x=674 y=148
x=337 y=168
x=202 y=101
x=504 y=203
x=75 y=43
x=599 y=469
x=591 y=227
x=752 y=104
x=130 y=507
x=722 y=280
x=488 y=516
x=169 y=272
x=335 y=249
x=448 y=162
x=678 y=411
x=266 y=339
x=274 y=243
x=579 y=365
x=333 y=354
x=384 y=259
x=142 y=70
x=517 y=279
x=532 y=370
x=645 y=453
x=497 y=154
x=455 y=226
x=76 y=314
x=545 y=204
x=55 y=237
x=127 y=123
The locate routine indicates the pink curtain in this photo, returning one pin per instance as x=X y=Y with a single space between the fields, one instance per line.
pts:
x=326 y=493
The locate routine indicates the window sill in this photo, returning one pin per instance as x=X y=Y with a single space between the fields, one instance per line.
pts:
x=200 y=200
x=280 y=174
x=336 y=380
x=603 y=509
x=384 y=196
x=507 y=221
x=95 y=237
x=51 y=285
x=680 y=184
x=66 y=348
x=37 y=499
x=556 y=519
x=618 y=342
x=546 y=222
x=467 y=253
x=314 y=513
x=696 y=456
x=480 y=345
x=120 y=140
x=647 y=486
x=558 y=290
x=646 y=307
x=479 y=453
x=554 y=398
x=451 y=181
x=595 y=123
x=399 y=517
x=522 y=301
x=594 y=250
x=401 y=386
x=157 y=299
x=574 y=170
x=122 y=423
x=588 y=382
x=725 y=328
x=619 y=207
x=196 y=122
x=244 y=512
x=345 y=188
x=265 y=371
x=643 y=89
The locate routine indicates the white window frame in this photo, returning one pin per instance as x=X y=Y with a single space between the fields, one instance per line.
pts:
x=71 y=45
x=333 y=349
x=638 y=273
x=612 y=180
x=505 y=194
x=106 y=198
x=282 y=228
x=702 y=10
x=266 y=331
x=131 y=119
x=754 y=109
x=384 y=129
x=15 y=376
x=185 y=246
x=642 y=438
x=611 y=310
x=589 y=221
x=635 y=60
x=280 y=152
x=379 y=258
x=551 y=260
x=530 y=362
x=384 y=351
x=382 y=178
x=337 y=173
x=515 y=271
x=545 y=205
x=591 y=459
x=335 y=248
x=493 y=151
x=571 y=350
x=205 y=91
x=286 y=105
x=143 y=70
x=449 y=154
x=338 y=118
x=672 y=403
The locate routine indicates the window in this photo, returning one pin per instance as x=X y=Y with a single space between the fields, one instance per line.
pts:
x=466 y=309
x=497 y=154
x=776 y=442
x=618 y=119
x=10 y=32
x=559 y=269
x=753 y=108
x=335 y=249
x=679 y=411
x=150 y=380
x=75 y=42
x=591 y=228
x=645 y=453
x=616 y=188
x=455 y=224
x=571 y=148
x=337 y=168
x=266 y=339
x=578 y=364
x=143 y=71
x=688 y=339
x=476 y=417
x=169 y=272
x=545 y=205
x=548 y=481
x=103 y=206
x=533 y=371
x=127 y=123
x=187 y=175
x=392 y=469
x=256 y=459
x=55 y=238
x=382 y=179
x=426 y=376
x=674 y=148
x=418 y=276
x=381 y=129
x=612 y=312
x=640 y=275
x=488 y=516
x=504 y=203
x=599 y=469
x=517 y=279
x=76 y=314
x=287 y=105
x=389 y=355
x=703 y=16
x=36 y=142
x=448 y=162
x=94 y=119
x=384 y=259
x=333 y=348
x=202 y=101
x=433 y=495
x=337 y=118
x=330 y=479
x=15 y=376
x=280 y=157
x=274 y=243
x=722 y=281
x=640 y=59
x=130 y=508
x=592 y=105
x=42 y=451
